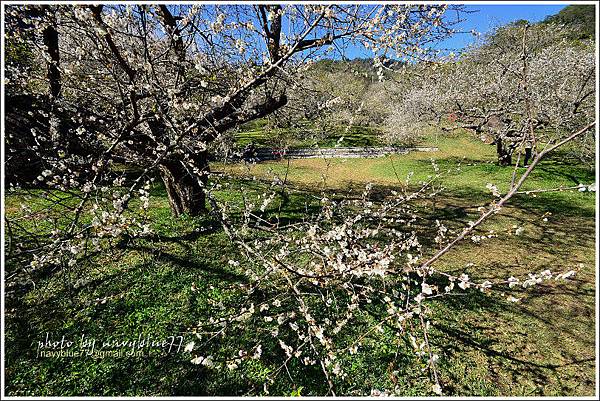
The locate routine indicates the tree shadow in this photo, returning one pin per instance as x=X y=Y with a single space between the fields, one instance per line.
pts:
x=453 y=337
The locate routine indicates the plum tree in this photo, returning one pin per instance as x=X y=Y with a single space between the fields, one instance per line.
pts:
x=167 y=81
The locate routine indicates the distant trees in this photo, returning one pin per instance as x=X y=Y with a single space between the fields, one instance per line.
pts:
x=330 y=96
x=525 y=85
x=580 y=17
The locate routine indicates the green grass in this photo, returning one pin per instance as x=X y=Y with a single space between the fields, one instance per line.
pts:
x=543 y=345
x=467 y=164
x=305 y=136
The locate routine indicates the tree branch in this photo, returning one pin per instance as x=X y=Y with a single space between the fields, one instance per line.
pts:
x=496 y=206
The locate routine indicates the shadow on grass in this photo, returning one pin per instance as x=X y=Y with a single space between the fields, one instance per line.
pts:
x=157 y=299
x=460 y=328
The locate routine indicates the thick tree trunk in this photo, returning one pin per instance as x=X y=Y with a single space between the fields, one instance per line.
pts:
x=185 y=191
x=504 y=153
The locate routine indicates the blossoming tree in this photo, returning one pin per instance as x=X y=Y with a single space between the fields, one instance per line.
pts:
x=523 y=85
x=165 y=82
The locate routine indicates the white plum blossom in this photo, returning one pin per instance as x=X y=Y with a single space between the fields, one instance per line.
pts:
x=189 y=347
x=426 y=289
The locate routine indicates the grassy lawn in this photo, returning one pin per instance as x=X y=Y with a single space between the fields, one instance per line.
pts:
x=305 y=136
x=162 y=286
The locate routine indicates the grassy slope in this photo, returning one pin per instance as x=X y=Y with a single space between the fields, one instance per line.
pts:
x=543 y=345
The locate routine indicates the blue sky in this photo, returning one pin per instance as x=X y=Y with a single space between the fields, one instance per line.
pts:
x=489 y=16
x=483 y=18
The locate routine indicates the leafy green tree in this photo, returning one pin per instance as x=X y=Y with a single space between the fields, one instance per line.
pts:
x=580 y=17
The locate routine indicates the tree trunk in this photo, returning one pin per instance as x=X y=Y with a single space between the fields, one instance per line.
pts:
x=53 y=73
x=527 y=156
x=504 y=153
x=185 y=192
